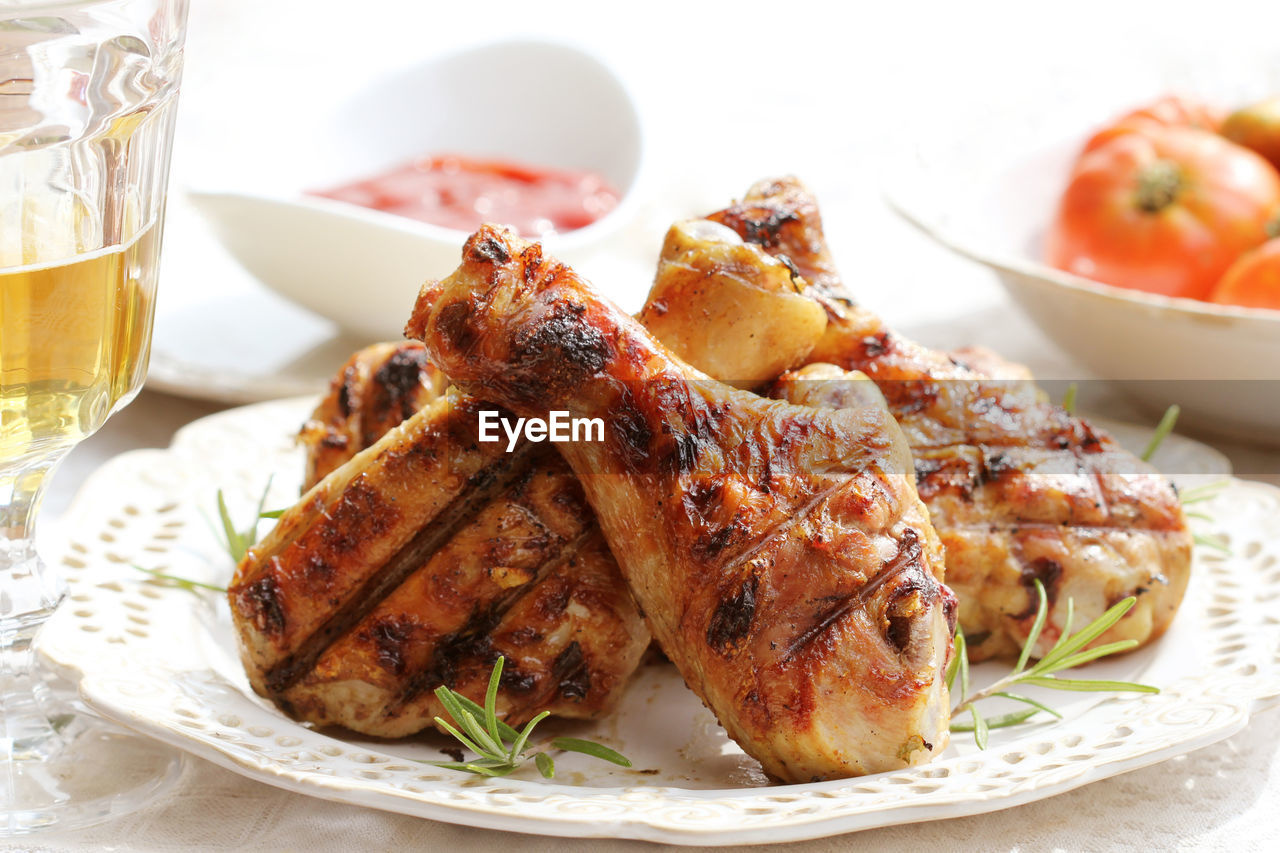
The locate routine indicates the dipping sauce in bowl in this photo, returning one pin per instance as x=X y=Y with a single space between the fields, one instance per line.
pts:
x=460 y=192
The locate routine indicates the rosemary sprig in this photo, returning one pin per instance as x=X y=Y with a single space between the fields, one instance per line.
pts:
x=181 y=583
x=1204 y=492
x=1069 y=399
x=502 y=749
x=1163 y=429
x=237 y=541
x=1201 y=494
x=1068 y=652
x=1211 y=542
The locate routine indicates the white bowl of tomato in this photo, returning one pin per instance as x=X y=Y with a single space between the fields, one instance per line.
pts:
x=1146 y=248
x=538 y=135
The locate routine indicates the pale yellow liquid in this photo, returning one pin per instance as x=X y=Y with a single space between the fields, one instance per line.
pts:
x=74 y=342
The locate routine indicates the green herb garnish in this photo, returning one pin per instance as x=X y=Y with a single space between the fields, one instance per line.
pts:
x=502 y=749
x=181 y=583
x=1068 y=652
x=1212 y=542
x=1200 y=494
x=236 y=541
x=1069 y=399
x=1163 y=429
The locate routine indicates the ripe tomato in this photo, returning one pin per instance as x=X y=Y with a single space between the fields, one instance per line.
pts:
x=1253 y=280
x=1166 y=210
x=1257 y=127
x=1167 y=111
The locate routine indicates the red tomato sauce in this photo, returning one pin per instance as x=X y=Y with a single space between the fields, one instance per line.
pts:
x=463 y=192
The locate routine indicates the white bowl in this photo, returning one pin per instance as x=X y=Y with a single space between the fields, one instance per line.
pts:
x=531 y=101
x=1219 y=363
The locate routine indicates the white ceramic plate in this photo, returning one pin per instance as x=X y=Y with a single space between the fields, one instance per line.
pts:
x=162 y=660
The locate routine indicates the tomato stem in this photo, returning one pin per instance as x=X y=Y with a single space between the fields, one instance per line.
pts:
x=1273 y=225
x=1158 y=185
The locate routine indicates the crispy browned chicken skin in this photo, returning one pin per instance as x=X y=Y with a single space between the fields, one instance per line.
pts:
x=378 y=388
x=780 y=552
x=422 y=559
x=1017 y=488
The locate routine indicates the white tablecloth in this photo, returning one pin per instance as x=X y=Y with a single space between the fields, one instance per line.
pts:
x=734 y=92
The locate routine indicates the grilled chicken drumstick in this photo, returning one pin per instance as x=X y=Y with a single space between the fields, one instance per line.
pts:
x=1018 y=488
x=378 y=388
x=423 y=558
x=712 y=280
x=779 y=552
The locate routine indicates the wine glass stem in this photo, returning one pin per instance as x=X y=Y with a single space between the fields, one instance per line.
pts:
x=29 y=592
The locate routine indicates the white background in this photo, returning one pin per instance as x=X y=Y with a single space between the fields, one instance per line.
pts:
x=731 y=92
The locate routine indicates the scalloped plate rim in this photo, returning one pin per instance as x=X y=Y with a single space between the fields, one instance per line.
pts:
x=366 y=794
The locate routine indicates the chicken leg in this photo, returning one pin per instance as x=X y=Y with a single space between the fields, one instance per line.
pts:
x=1018 y=488
x=422 y=558
x=779 y=552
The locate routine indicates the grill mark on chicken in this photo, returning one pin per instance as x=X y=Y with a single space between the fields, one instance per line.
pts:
x=673 y=448
x=488 y=249
x=572 y=677
x=397 y=379
x=631 y=429
x=934 y=476
x=364 y=502
x=876 y=345
x=734 y=545
x=995 y=466
x=906 y=560
x=1049 y=573
x=453 y=326
x=389 y=636
x=730 y=545
x=262 y=600
x=474 y=639
x=561 y=351
x=899 y=629
x=760 y=538
x=909 y=397
x=348 y=392
x=711 y=544
x=684 y=455
x=482 y=487
x=761 y=225
x=787 y=229
x=731 y=621
x=558 y=353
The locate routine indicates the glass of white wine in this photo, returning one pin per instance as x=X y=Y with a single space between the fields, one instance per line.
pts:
x=88 y=97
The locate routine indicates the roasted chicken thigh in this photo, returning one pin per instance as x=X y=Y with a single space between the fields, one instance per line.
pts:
x=423 y=558
x=779 y=552
x=1018 y=489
